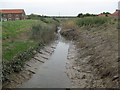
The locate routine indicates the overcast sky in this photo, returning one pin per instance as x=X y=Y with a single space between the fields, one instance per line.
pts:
x=62 y=7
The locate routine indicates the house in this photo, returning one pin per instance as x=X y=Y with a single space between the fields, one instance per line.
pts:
x=105 y=15
x=101 y=15
x=109 y=15
x=12 y=14
x=116 y=14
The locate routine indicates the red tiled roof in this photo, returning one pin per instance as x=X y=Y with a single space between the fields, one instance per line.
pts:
x=116 y=12
x=101 y=15
x=12 y=11
x=109 y=15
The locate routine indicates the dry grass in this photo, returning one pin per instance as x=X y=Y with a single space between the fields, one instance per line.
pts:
x=69 y=24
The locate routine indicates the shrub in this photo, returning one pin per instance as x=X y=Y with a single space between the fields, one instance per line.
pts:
x=92 y=21
x=69 y=25
x=43 y=32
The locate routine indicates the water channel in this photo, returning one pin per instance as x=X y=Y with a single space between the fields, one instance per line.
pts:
x=52 y=74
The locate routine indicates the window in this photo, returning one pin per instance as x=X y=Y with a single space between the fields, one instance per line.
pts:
x=9 y=19
x=4 y=15
x=22 y=14
x=16 y=14
x=17 y=18
x=9 y=15
x=3 y=19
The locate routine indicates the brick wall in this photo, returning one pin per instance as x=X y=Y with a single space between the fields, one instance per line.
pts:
x=14 y=16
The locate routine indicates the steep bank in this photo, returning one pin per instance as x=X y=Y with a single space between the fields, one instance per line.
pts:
x=96 y=61
x=30 y=67
x=20 y=40
x=35 y=74
x=52 y=73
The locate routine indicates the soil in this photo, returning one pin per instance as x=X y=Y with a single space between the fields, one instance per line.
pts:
x=93 y=57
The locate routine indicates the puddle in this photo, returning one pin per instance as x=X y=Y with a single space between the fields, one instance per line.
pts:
x=52 y=74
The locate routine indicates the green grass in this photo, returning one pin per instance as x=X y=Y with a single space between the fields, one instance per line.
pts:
x=13 y=28
x=20 y=39
x=92 y=21
x=17 y=48
x=0 y=30
x=117 y=22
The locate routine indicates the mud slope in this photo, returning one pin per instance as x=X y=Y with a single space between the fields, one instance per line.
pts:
x=95 y=63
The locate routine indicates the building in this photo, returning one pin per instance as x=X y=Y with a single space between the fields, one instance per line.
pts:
x=101 y=15
x=12 y=14
x=109 y=15
x=116 y=14
x=105 y=15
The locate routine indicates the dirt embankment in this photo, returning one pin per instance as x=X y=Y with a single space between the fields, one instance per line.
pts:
x=95 y=63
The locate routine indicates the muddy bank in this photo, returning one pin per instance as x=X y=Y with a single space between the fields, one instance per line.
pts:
x=30 y=67
x=80 y=72
x=93 y=58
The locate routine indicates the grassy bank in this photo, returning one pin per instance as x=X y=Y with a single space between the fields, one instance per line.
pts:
x=97 y=39
x=21 y=39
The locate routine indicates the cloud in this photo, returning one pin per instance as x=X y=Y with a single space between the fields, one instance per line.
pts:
x=65 y=7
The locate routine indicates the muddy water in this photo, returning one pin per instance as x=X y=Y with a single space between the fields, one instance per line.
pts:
x=52 y=74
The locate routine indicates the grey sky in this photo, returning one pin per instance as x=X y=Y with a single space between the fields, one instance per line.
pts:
x=64 y=7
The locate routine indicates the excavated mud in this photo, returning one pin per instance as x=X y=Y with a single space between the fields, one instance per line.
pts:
x=93 y=57
x=79 y=72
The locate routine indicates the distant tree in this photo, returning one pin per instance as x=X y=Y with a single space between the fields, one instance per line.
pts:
x=87 y=15
x=33 y=16
x=80 y=15
x=106 y=13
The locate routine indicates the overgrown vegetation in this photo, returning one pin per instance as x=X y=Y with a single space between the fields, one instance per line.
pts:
x=86 y=23
x=35 y=16
x=43 y=32
x=92 y=21
x=21 y=39
x=11 y=29
x=81 y=15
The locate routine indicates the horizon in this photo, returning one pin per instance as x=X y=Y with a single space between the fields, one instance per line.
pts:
x=61 y=7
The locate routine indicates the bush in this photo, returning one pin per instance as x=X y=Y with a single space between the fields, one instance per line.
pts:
x=92 y=21
x=69 y=25
x=44 y=32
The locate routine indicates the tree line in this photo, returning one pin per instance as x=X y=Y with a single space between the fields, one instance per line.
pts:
x=81 y=15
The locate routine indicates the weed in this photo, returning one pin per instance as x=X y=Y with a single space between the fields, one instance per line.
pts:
x=92 y=21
